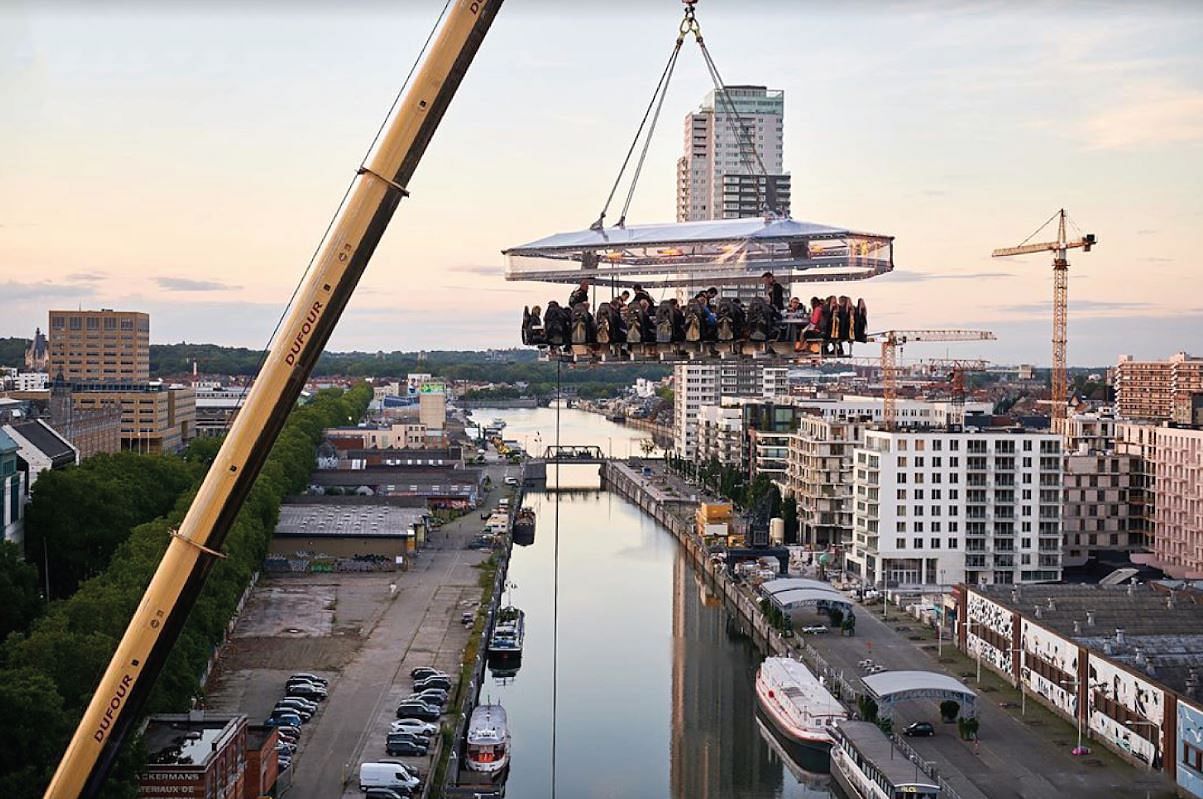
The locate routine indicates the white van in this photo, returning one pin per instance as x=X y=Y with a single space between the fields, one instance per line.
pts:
x=386 y=775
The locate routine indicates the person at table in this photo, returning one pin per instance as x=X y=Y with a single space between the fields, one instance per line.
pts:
x=795 y=314
x=860 y=324
x=640 y=294
x=847 y=314
x=581 y=294
x=814 y=330
x=774 y=292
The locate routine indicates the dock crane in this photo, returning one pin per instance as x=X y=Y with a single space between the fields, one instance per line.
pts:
x=891 y=340
x=1060 y=249
x=374 y=194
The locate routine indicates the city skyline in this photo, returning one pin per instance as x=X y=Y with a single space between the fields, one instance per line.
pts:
x=205 y=152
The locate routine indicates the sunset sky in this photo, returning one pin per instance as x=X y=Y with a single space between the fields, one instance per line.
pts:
x=185 y=162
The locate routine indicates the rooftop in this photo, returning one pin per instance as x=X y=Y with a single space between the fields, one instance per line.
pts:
x=893 y=763
x=1148 y=628
x=47 y=441
x=188 y=739
x=347 y=520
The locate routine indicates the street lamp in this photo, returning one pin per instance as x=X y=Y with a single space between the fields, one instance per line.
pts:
x=1078 y=750
x=1023 y=693
x=1133 y=725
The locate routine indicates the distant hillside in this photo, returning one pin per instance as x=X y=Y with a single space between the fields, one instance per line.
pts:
x=12 y=351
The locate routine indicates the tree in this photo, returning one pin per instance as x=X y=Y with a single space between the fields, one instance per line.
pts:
x=35 y=725
x=868 y=708
x=19 y=600
x=789 y=514
x=836 y=615
x=949 y=709
x=647 y=446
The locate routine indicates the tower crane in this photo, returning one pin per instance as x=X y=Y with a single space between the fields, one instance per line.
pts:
x=1059 y=249
x=375 y=192
x=891 y=340
x=956 y=369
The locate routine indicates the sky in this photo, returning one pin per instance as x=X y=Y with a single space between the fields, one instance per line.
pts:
x=185 y=158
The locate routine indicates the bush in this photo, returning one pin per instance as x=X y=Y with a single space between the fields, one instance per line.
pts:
x=837 y=617
x=949 y=709
x=868 y=708
x=967 y=728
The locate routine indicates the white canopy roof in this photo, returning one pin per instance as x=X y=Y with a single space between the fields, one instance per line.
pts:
x=885 y=683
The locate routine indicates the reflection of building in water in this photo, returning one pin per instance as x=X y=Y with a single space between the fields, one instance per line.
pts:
x=715 y=749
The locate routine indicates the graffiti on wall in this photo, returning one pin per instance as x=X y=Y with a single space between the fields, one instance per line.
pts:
x=1190 y=742
x=1062 y=653
x=992 y=616
x=1139 y=696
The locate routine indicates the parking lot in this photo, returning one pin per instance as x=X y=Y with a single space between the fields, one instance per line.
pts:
x=364 y=633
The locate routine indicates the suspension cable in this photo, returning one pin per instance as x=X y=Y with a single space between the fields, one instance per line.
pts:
x=672 y=63
x=661 y=90
x=555 y=590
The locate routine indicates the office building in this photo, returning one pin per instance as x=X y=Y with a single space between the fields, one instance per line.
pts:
x=935 y=507
x=155 y=418
x=103 y=346
x=92 y=429
x=1150 y=390
x=432 y=406
x=698 y=384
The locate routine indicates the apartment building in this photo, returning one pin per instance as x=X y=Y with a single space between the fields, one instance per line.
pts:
x=1150 y=390
x=1138 y=441
x=819 y=477
x=1178 y=516
x=718 y=174
x=935 y=507
x=1098 y=486
x=720 y=434
x=699 y=384
x=103 y=346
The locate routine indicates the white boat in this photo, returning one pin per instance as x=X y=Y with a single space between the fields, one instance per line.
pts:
x=797 y=704
x=497 y=424
x=488 y=740
x=508 y=633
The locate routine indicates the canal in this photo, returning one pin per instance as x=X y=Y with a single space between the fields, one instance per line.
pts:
x=655 y=694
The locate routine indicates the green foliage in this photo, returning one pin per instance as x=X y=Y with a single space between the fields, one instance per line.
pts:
x=78 y=516
x=12 y=351
x=789 y=514
x=849 y=625
x=55 y=667
x=949 y=709
x=868 y=708
x=19 y=600
x=837 y=617
x=886 y=725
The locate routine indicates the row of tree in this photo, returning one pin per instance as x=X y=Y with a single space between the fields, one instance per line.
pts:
x=48 y=675
x=732 y=483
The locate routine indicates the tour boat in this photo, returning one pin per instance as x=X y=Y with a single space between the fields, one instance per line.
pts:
x=488 y=740
x=508 y=633
x=797 y=704
x=524 y=527
x=868 y=765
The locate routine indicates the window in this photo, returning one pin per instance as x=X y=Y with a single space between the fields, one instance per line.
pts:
x=902 y=445
x=954 y=493
x=952 y=527
x=1027 y=493
x=955 y=446
x=935 y=493
x=901 y=460
x=918 y=493
x=918 y=527
x=1027 y=446
x=935 y=543
x=920 y=445
x=902 y=477
x=900 y=527
x=919 y=462
x=1025 y=543
x=937 y=462
x=937 y=445
x=902 y=493
x=918 y=510
x=954 y=462
x=1027 y=463
x=918 y=542
x=937 y=478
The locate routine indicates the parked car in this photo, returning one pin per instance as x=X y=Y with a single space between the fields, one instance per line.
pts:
x=432 y=696
x=440 y=681
x=287 y=717
x=306 y=690
x=413 y=738
x=419 y=710
x=283 y=729
x=422 y=672
x=417 y=725
x=404 y=748
x=920 y=728
x=300 y=701
x=302 y=712
x=304 y=675
x=387 y=793
x=285 y=748
x=511 y=481
x=289 y=738
x=815 y=629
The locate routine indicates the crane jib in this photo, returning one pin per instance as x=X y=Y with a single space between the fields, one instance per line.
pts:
x=310 y=320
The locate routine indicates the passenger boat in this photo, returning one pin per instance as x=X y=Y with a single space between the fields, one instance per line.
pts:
x=508 y=632
x=797 y=704
x=809 y=768
x=488 y=740
x=497 y=424
x=867 y=765
x=524 y=527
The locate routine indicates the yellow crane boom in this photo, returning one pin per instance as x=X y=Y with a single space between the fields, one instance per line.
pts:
x=1060 y=249
x=377 y=189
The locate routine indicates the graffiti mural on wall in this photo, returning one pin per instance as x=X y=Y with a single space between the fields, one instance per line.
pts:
x=1037 y=642
x=992 y=616
x=1139 y=696
x=1190 y=742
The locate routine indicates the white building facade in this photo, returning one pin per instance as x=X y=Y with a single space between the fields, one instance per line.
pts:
x=698 y=384
x=938 y=508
